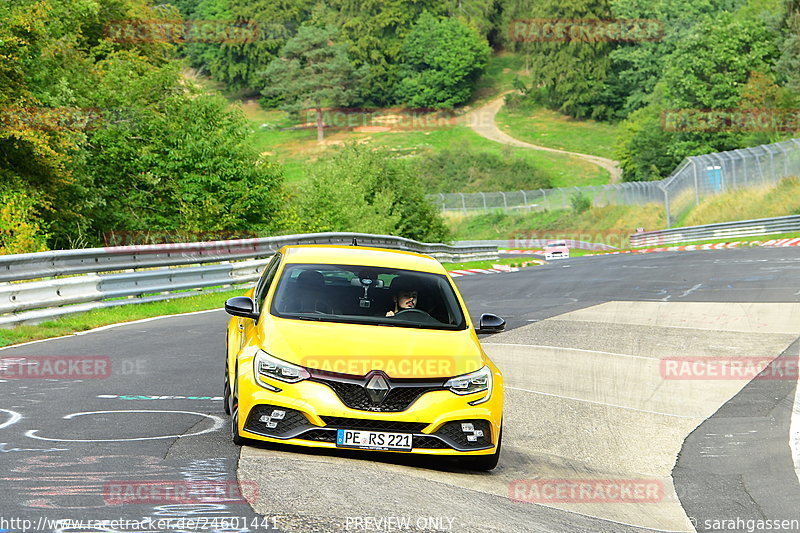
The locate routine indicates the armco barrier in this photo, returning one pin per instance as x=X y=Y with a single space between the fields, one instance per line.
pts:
x=742 y=228
x=219 y=264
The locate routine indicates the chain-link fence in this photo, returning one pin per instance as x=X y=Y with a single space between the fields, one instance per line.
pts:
x=704 y=175
x=695 y=178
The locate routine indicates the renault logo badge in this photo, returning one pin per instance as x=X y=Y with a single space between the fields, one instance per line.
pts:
x=377 y=389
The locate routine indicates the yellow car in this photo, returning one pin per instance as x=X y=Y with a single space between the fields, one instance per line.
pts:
x=362 y=348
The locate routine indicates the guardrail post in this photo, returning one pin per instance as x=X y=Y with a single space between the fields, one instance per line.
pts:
x=544 y=198
x=463 y=203
x=525 y=199
x=505 y=203
x=785 y=159
x=696 y=184
x=758 y=163
x=666 y=207
x=483 y=197
x=444 y=209
x=771 y=162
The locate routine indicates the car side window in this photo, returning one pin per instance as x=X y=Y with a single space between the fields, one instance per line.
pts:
x=266 y=281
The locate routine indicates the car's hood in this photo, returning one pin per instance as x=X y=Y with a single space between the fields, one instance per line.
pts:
x=357 y=349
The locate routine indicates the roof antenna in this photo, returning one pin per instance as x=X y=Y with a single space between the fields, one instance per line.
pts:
x=354 y=243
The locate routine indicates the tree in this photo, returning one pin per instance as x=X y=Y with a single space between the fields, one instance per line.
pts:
x=240 y=63
x=710 y=69
x=441 y=59
x=643 y=145
x=312 y=72
x=789 y=64
x=570 y=74
x=371 y=191
x=637 y=66
x=183 y=161
x=373 y=31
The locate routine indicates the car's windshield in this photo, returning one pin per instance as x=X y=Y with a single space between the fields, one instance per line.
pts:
x=367 y=295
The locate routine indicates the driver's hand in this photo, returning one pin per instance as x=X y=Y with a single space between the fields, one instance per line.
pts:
x=390 y=313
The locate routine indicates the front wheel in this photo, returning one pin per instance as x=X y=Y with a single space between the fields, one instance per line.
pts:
x=484 y=462
x=237 y=439
x=226 y=394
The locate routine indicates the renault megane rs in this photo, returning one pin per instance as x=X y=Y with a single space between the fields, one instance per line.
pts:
x=362 y=348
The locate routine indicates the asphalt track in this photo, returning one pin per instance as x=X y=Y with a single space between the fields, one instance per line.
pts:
x=586 y=401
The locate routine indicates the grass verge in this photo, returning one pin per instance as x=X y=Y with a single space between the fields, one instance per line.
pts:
x=544 y=127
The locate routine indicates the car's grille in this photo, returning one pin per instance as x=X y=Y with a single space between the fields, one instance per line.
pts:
x=425 y=441
x=373 y=425
x=458 y=432
x=353 y=394
x=287 y=425
x=319 y=435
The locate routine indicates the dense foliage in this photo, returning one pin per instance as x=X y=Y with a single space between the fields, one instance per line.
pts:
x=684 y=54
x=99 y=134
x=441 y=59
x=462 y=169
x=103 y=133
x=364 y=190
x=312 y=71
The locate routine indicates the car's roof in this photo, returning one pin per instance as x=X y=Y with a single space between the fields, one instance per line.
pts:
x=362 y=256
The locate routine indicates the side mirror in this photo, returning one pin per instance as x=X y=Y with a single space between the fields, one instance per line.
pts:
x=490 y=323
x=241 y=306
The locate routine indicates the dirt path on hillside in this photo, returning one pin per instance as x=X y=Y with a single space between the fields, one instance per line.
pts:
x=482 y=121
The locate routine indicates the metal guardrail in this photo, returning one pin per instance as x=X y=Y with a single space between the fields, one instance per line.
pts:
x=67 y=262
x=742 y=228
x=165 y=271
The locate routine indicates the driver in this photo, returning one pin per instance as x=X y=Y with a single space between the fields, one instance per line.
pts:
x=405 y=297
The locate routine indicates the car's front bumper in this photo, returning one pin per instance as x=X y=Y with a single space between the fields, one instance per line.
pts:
x=439 y=420
x=551 y=256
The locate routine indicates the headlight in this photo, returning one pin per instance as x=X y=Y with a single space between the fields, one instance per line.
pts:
x=478 y=381
x=272 y=367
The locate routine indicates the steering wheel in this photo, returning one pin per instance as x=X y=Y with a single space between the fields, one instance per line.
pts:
x=412 y=310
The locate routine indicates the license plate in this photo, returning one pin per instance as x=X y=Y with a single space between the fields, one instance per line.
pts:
x=373 y=440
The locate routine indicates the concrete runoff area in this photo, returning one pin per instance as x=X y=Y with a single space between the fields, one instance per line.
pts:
x=586 y=400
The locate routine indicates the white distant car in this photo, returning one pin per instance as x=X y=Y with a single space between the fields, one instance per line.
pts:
x=556 y=250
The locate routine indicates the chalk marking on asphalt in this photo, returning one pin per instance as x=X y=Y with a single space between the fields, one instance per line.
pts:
x=571 y=349
x=604 y=403
x=218 y=424
x=108 y=326
x=14 y=417
x=690 y=291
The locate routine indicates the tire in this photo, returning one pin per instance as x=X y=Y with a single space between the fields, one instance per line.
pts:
x=484 y=462
x=226 y=394
x=237 y=439
x=226 y=390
